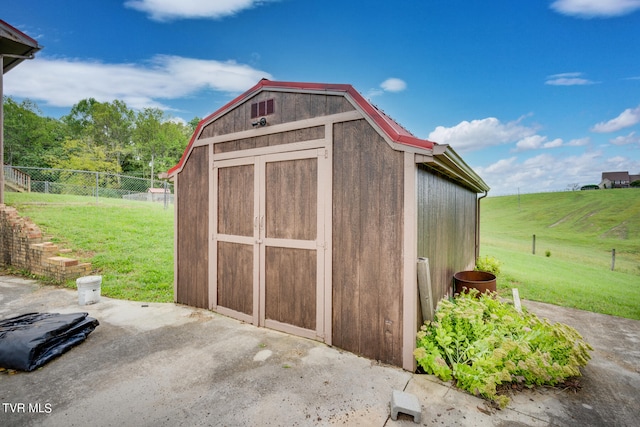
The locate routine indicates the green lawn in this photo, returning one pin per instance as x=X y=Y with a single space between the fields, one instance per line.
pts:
x=577 y=230
x=129 y=243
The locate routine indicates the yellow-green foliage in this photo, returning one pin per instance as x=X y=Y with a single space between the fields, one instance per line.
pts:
x=483 y=343
x=489 y=264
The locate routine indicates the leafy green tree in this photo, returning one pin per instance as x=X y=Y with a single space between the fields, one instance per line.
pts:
x=177 y=137
x=147 y=136
x=77 y=156
x=95 y=136
x=108 y=125
x=193 y=124
x=29 y=138
x=80 y=118
x=159 y=141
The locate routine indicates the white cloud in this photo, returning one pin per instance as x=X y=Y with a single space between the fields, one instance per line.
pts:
x=501 y=166
x=545 y=172
x=620 y=163
x=166 y=10
x=595 y=8
x=530 y=142
x=393 y=85
x=541 y=173
x=580 y=142
x=477 y=134
x=568 y=79
x=629 y=117
x=632 y=138
x=64 y=82
x=535 y=142
x=553 y=144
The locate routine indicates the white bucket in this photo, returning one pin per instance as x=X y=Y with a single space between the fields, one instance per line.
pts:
x=89 y=289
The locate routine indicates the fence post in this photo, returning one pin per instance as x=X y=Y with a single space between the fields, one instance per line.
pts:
x=97 y=184
x=613 y=259
x=534 y=245
x=165 y=195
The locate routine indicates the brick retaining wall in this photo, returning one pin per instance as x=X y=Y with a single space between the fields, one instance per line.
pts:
x=22 y=247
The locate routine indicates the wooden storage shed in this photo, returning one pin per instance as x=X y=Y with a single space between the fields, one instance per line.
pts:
x=302 y=207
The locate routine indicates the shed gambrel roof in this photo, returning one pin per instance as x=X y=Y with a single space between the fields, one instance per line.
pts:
x=438 y=156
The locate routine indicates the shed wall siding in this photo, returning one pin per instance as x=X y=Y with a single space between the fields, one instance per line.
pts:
x=299 y=135
x=367 y=243
x=288 y=107
x=193 y=230
x=446 y=228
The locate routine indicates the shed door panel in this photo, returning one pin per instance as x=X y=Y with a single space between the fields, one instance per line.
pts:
x=290 y=192
x=235 y=200
x=269 y=268
x=235 y=250
x=235 y=276
x=291 y=199
x=290 y=286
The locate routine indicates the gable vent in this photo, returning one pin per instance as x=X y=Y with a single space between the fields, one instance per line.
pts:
x=262 y=108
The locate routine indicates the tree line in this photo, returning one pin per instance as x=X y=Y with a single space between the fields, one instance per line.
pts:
x=94 y=136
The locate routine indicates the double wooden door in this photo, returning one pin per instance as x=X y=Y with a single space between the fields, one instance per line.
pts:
x=269 y=228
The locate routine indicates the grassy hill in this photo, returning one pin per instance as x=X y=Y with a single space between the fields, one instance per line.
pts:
x=575 y=234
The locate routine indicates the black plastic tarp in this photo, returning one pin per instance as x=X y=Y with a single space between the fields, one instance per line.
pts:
x=31 y=340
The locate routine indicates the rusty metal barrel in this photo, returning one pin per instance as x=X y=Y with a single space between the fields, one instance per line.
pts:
x=483 y=281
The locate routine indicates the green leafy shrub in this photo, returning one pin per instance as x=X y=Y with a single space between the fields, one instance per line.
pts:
x=483 y=343
x=489 y=264
x=547 y=253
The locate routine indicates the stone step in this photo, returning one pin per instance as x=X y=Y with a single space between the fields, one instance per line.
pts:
x=62 y=261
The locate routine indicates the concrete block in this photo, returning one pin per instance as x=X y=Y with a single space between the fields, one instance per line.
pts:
x=406 y=403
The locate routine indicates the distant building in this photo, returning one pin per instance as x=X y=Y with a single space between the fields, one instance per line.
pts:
x=617 y=179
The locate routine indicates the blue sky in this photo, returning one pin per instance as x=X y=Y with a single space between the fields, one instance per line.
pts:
x=535 y=95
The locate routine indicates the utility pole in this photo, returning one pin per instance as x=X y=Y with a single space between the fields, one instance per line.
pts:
x=151 y=164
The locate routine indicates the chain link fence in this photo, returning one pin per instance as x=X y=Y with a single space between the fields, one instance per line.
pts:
x=87 y=183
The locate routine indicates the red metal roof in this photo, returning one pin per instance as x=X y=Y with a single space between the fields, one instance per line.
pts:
x=390 y=127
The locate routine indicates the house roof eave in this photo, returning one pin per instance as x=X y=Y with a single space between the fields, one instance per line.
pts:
x=15 y=46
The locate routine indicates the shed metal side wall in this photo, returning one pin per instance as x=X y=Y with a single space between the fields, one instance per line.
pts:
x=193 y=230
x=446 y=228
x=367 y=243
